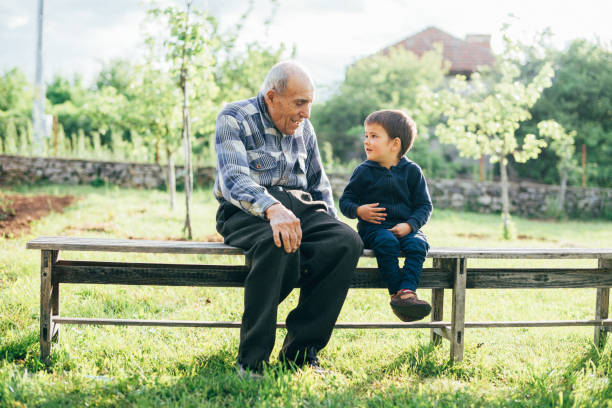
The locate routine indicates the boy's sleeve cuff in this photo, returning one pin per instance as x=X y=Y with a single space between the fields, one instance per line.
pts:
x=413 y=225
x=353 y=210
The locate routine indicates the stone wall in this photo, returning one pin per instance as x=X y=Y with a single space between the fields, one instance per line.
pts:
x=17 y=170
x=527 y=199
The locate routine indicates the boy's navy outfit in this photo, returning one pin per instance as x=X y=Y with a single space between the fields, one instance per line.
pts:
x=402 y=191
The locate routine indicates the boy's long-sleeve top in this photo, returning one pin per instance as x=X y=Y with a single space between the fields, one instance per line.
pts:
x=253 y=155
x=401 y=190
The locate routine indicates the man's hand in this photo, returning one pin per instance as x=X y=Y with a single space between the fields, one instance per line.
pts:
x=284 y=225
x=371 y=213
x=401 y=230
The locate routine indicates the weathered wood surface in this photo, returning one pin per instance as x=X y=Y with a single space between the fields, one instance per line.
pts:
x=602 y=304
x=190 y=247
x=234 y=276
x=219 y=324
x=201 y=275
x=47 y=326
x=441 y=327
x=519 y=278
x=457 y=330
x=437 y=313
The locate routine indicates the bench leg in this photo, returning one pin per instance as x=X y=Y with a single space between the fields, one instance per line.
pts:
x=602 y=303
x=437 y=312
x=458 y=314
x=47 y=299
x=437 y=302
x=55 y=311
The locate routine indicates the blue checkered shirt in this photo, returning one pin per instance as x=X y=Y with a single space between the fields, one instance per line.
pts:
x=252 y=154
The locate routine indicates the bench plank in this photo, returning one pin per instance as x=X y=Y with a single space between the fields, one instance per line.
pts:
x=122 y=273
x=442 y=327
x=192 y=247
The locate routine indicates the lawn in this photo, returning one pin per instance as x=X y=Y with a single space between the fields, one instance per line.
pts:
x=136 y=366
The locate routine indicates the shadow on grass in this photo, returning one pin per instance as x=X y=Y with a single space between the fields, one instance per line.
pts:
x=210 y=380
x=18 y=349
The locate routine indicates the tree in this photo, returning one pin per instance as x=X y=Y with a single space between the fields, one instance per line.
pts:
x=59 y=90
x=482 y=119
x=15 y=106
x=580 y=98
x=157 y=115
x=562 y=143
x=187 y=46
x=118 y=74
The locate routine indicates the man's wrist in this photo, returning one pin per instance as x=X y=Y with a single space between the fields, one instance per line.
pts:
x=271 y=209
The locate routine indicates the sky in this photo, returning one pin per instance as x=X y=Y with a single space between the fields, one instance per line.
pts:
x=81 y=35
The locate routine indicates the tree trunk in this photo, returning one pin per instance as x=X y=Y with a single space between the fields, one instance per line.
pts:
x=157 y=143
x=563 y=188
x=188 y=169
x=171 y=177
x=505 y=199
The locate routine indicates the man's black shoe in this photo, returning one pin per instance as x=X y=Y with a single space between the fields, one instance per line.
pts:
x=310 y=361
x=248 y=374
x=315 y=365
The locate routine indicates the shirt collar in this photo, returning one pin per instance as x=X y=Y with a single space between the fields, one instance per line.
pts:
x=263 y=108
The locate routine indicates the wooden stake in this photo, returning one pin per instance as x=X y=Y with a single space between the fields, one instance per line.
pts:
x=583 y=165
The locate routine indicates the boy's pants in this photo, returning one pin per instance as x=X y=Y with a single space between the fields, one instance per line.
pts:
x=387 y=248
x=323 y=265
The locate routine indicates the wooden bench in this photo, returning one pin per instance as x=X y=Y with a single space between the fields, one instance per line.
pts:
x=449 y=271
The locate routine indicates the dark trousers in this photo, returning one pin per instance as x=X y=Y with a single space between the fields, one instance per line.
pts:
x=388 y=248
x=322 y=267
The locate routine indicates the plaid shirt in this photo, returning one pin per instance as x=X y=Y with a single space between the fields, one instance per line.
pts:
x=252 y=155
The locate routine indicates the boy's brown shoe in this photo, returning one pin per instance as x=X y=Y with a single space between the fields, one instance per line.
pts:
x=408 y=307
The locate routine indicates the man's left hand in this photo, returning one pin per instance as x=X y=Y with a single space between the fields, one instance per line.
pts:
x=401 y=230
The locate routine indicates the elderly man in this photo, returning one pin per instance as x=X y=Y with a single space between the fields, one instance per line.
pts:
x=276 y=204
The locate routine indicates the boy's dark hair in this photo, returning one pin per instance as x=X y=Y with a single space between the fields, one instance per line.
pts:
x=397 y=124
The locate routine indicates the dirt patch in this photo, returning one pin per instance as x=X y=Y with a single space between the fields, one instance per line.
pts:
x=18 y=211
x=106 y=227
x=473 y=235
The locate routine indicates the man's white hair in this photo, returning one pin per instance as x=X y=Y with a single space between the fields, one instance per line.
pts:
x=279 y=75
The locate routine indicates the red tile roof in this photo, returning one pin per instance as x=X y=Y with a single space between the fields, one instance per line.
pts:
x=465 y=56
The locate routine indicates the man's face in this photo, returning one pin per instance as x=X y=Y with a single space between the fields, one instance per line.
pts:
x=289 y=109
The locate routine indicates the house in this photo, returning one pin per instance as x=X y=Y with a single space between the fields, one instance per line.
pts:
x=465 y=56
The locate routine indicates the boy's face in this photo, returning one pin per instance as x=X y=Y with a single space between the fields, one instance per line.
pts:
x=379 y=147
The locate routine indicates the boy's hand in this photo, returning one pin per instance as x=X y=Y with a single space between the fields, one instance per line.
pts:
x=371 y=213
x=401 y=230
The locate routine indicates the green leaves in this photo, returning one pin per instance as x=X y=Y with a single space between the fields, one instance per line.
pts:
x=378 y=82
x=481 y=119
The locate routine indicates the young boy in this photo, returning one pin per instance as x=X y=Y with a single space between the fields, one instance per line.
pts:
x=389 y=195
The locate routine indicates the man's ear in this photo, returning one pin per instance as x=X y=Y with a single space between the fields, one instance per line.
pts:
x=271 y=95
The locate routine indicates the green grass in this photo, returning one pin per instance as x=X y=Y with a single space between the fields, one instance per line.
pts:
x=135 y=366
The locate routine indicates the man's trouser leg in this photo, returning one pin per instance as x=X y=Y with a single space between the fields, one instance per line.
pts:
x=272 y=276
x=329 y=254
